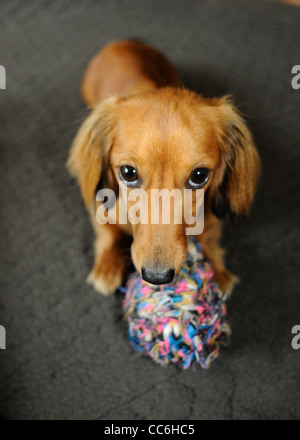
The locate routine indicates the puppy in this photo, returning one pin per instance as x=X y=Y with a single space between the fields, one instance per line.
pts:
x=147 y=131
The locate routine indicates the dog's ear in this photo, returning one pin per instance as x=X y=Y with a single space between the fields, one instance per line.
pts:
x=89 y=153
x=237 y=177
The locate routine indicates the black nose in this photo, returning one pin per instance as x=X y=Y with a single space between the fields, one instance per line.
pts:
x=154 y=277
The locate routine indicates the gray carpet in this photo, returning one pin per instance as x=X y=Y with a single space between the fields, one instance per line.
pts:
x=67 y=355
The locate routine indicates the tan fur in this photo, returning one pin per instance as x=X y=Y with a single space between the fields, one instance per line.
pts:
x=142 y=117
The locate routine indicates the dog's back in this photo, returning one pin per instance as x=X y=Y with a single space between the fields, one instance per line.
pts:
x=124 y=68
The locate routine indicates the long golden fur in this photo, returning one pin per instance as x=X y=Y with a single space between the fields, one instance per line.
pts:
x=142 y=117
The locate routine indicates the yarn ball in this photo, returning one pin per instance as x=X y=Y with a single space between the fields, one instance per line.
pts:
x=182 y=322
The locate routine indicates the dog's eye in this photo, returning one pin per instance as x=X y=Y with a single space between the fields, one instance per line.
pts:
x=128 y=174
x=199 y=177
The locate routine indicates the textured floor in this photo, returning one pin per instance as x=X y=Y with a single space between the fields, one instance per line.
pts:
x=67 y=355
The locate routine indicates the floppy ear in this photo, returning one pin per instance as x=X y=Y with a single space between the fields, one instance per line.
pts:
x=238 y=174
x=88 y=158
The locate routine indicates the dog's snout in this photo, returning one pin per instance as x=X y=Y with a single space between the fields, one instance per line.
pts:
x=155 y=277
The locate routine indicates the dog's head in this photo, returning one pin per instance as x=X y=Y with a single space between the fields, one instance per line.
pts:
x=166 y=139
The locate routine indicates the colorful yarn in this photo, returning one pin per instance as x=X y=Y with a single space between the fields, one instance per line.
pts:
x=181 y=322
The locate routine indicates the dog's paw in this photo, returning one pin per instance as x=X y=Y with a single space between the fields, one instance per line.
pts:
x=105 y=280
x=225 y=280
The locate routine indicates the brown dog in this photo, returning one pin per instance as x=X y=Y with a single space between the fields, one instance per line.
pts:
x=149 y=132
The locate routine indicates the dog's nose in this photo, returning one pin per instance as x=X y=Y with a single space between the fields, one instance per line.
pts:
x=154 y=277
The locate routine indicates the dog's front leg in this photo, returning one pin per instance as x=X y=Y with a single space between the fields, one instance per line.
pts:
x=111 y=259
x=213 y=252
